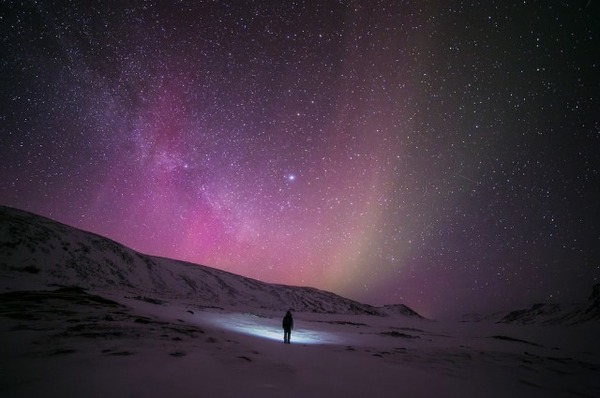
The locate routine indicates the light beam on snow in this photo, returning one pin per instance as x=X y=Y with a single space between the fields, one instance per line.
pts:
x=270 y=329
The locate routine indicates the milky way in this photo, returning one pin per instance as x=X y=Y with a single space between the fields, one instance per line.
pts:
x=443 y=155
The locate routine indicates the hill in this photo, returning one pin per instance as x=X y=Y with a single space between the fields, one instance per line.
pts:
x=36 y=252
x=553 y=314
x=547 y=313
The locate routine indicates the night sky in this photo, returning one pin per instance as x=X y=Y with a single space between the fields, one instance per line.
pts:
x=440 y=154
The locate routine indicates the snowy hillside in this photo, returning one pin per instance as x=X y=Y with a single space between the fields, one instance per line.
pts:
x=547 y=313
x=553 y=314
x=39 y=251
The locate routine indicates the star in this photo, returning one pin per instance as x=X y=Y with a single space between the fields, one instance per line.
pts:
x=408 y=149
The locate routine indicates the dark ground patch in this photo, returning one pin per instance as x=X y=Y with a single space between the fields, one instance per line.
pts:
x=121 y=353
x=73 y=295
x=395 y=333
x=343 y=323
x=507 y=338
x=148 y=300
x=62 y=351
x=409 y=329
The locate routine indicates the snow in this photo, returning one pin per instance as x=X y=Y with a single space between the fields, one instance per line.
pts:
x=140 y=349
x=81 y=315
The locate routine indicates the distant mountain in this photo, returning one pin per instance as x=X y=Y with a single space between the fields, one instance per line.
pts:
x=399 y=309
x=538 y=313
x=547 y=314
x=476 y=317
x=558 y=314
x=38 y=252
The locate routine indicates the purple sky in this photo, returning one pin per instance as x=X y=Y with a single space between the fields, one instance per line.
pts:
x=442 y=155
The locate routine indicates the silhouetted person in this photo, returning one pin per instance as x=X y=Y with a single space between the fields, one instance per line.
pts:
x=288 y=325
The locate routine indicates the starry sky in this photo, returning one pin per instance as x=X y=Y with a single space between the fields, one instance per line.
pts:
x=440 y=154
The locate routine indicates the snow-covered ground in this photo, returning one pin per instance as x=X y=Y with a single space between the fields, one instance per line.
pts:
x=69 y=343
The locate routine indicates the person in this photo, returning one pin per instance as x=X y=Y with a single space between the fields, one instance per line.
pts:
x=288 y=325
